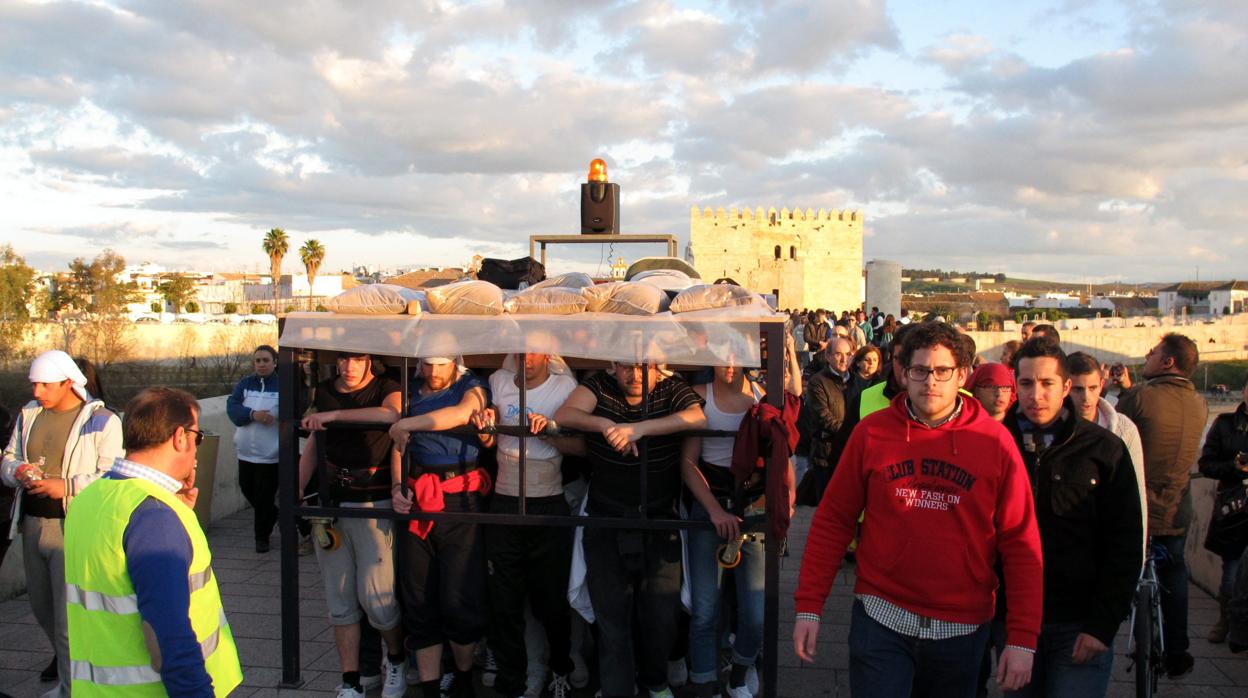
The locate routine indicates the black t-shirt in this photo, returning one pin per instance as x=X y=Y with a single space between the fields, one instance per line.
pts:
x=358 y=460
x=616 y=487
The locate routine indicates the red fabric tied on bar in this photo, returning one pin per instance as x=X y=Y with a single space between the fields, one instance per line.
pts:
x=428 y=491
x=766 y=438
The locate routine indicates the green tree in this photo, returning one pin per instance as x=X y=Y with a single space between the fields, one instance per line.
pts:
x=192 y=307
x=276 y=244
x=156 y=307
x=177 y=290
x=17 y=284
x=311 y=254
x=99 y=296
x=257 y=309
x=229 y=308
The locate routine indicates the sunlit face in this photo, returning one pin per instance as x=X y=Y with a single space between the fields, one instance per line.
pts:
x=994 y=398
x=1041 y=389
x=931 y=398
x=1156 y=362
x=727 y=374
x=355 y=370
x=839 y=353
x=869 y=364
x=441 y=376
x=535 y=368
x=1026 y=332
x=264 y=364
x=52 y=395
x=1085 y=393
x=183 y=462
x=629 y=377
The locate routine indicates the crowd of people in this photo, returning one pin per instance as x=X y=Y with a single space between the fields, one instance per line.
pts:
x=997 y=514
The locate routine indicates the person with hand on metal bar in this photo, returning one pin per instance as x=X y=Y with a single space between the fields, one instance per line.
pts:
x=633 y=572
x=442 y=565
x=359 y=572
x=529 y=563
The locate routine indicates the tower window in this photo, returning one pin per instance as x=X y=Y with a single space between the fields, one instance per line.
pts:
x=792 y=252
x=777 y=252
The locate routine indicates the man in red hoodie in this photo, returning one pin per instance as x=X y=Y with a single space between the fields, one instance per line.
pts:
x=945 y=496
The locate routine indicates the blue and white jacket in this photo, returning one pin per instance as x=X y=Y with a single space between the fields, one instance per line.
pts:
x=255 y=442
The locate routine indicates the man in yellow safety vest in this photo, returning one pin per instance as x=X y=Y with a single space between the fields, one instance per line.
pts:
x=145 y=615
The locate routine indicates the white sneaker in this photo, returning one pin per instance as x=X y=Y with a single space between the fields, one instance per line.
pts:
x=665 y=693
x=345 y=691
x=395 y=685
x=489 y=668
x=742 y=691
x=579 y=678
x=447 y=686
x=560 y=687
x=751 y=680
x=677 y=673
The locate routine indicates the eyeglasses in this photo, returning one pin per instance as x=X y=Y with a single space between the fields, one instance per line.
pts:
x=199 y=435
x=1003 y=389
x=919 y=374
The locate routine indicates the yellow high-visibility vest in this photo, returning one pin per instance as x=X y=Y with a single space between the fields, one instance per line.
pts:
x=107 y=654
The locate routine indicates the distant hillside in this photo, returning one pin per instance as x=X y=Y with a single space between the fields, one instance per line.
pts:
x=946 y=285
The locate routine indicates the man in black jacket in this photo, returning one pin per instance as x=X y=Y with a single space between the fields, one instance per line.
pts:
x=825 y=401
x=1088 y=509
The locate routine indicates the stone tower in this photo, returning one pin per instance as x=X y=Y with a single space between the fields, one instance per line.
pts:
x=808 y=259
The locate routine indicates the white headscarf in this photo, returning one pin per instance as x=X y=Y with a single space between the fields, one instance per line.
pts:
x=55 y=366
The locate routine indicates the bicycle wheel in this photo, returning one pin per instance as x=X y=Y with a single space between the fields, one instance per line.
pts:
x=1143 y=634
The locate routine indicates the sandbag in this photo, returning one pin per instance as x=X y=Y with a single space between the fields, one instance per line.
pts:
x=572 y=279
x=625 y=298
x=547 y=301
x=671 y=280
x=378 y=299
x=705 y=297
x=511 y=273
x=655 y=263
x=466 y=298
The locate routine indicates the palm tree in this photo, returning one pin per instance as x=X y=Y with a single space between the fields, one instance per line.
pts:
x=312 y=253
x=276 y=245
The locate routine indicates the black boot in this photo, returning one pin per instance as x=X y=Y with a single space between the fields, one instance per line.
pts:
x=50 y=673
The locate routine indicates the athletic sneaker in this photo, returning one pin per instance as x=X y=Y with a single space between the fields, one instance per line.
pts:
x=677 y=672
x=751 y=680
x=741 y=691
x=579 y=678
x=489 y=668
x=395 y=685
x=447 y=687
x=345 y=691
x=560 y=687
x=665 y=693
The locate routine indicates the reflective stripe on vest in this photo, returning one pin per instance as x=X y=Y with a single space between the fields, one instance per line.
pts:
x=108 y=651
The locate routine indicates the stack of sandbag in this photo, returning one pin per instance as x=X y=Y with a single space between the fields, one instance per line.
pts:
x=466 y=298
x=625 y=298
x=709 y=297
x=379 y=299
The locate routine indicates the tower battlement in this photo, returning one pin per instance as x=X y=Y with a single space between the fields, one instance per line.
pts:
x=771 y=214
x=807 y=258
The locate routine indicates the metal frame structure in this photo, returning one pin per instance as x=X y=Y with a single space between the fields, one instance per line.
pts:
x=771 y=334
x=595 y=239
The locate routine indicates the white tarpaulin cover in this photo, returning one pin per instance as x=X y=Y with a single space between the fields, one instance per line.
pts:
x=703 y=338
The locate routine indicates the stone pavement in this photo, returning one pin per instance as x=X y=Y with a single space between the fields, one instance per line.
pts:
x=249 y=584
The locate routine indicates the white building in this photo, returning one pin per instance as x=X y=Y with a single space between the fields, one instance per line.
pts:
x=1203 y=297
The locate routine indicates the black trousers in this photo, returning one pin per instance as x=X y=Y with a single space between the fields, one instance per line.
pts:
x=441 y=579
x=633 y=574
x=528 y=563
x=259 y=484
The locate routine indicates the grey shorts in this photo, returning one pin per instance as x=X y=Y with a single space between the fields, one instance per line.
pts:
x=360 y=573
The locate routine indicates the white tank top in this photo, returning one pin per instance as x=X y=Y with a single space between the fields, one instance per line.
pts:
x=718 y=450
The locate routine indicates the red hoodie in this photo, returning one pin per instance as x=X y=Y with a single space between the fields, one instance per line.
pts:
x=941 y=505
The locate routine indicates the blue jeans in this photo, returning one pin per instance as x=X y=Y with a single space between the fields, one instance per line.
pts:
x=1230 y=565
x=886 y=664
x=1054 y=674
x=1172 y=576
x=705 y=585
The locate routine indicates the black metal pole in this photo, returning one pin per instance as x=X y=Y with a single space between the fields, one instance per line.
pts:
x=524 y=423
x=642 y=451
x=288 y=480
x=403 y=403
x=773 y=333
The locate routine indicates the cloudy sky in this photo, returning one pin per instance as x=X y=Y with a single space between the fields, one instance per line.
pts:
x=1075 y=139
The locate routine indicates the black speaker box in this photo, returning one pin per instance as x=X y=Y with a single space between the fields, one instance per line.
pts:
x=600 y=208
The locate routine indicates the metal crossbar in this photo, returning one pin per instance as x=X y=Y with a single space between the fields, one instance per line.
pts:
x=291 y=508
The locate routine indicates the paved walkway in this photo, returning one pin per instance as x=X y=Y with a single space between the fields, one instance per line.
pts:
x=249 y=584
